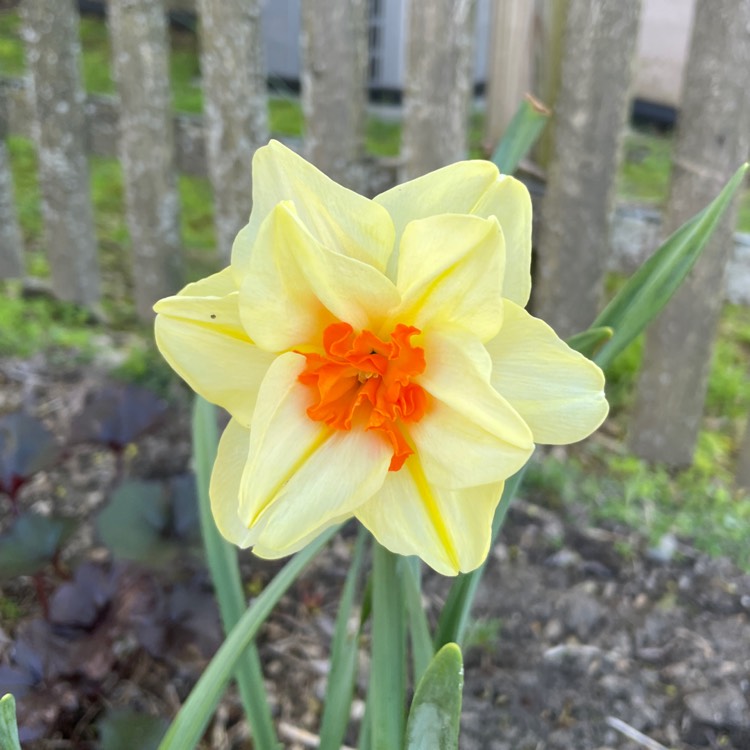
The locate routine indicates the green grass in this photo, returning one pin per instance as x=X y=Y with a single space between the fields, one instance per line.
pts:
x=11 y=47
x=647 y=163
x=23 y=165
x=728 y=394
x=699 y=504
x=285 y=116
x=97 y=77
x=646 y=168
x=32 y=325
x=146 y=367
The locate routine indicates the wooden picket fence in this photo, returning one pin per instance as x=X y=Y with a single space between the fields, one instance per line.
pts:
x=138 y=125
x=591 y=46
x=140 y=128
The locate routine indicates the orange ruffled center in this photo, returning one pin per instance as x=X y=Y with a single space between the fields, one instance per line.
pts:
x=364 y=380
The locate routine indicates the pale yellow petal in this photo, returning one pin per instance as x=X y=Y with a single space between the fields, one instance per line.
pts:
x=302 y=475
x=471 y=187
x=340 y=219
x=470 y=434
x=296 y=286
x=450 y=273
x=508 y=200
x=450 y=530
x=558 y=392
x=454 y=189
x=269 y=553
x=277 y=303
x=224 y=490
x=205 y=343
x=217 y=285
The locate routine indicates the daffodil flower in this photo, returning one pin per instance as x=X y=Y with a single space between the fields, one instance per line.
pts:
x=376 y=360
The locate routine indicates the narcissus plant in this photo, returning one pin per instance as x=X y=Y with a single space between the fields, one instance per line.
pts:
x=376 y=360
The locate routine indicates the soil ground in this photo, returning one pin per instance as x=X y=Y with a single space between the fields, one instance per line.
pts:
x=585 y=639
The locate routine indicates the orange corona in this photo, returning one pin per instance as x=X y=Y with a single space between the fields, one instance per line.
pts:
x=366 y=381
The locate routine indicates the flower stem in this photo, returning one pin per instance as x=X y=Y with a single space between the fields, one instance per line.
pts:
x=387 y=693
x=225 y=573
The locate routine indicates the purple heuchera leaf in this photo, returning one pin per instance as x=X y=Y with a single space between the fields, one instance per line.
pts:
x=117 y=414
x=26 y=447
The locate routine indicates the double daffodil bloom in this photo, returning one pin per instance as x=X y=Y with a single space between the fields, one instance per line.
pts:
x=376 y=360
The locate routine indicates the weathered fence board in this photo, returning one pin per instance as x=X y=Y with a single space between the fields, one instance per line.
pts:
x=140 y=63
x=437 y=93
x=712 y=142
x=334 y=53
x=11 y=247
x=52 y=52
x=589 y=119
x=101 y=130
x=101 y=117
x=235 y=106
x=510 y=74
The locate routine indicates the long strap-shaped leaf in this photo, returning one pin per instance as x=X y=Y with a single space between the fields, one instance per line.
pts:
x=649 y=289
x=387 y=690
x=435 y=712
x=8 y=728
x=222 y=562
x=191 y=721
x=419 y=631
x=344 y=658
x=521 y=134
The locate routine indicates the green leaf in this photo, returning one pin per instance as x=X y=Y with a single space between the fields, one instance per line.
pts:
x=222 y=562
x=31 y=543
x=132 y=522
x=454 y=618
x=590 y=341
x=125 y=729
x=344 y=658
x=149 y=520
x=436 y=709
x=387 y=690
x=26 y=447
x=520 y=135
x=190 y=723
x=364 y=741
x=8 y=727
x=419 y=631
x=649 y=289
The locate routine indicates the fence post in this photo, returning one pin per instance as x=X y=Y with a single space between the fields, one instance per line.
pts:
x=138 y=35
x=437 y=92
x=235 y=107
x=589 y=118
x=510 y=65
x=334 y=59
x=11 y=247
x=712 y=142
x=57 y=97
